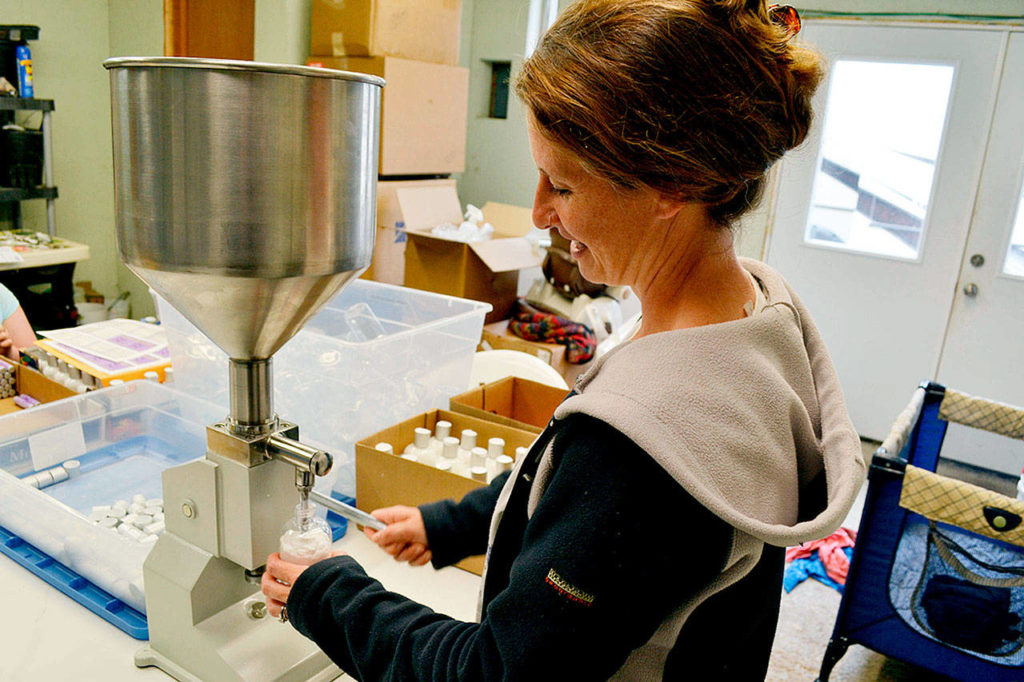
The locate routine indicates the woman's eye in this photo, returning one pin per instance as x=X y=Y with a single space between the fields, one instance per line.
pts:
x=561 y=191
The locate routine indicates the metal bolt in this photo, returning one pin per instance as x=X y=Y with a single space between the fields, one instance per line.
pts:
x=971 y=290
x=188 y=509
x=256 y=610
x=977 y=260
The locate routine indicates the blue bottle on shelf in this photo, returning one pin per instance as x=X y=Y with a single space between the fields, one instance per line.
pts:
x=24 y=58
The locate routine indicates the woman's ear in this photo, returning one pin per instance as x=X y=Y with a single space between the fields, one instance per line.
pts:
x=668 y=207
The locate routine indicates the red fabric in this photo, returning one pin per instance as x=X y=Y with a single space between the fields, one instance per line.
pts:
x=830 y=553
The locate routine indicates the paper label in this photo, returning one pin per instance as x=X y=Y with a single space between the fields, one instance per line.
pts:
x=53 y=446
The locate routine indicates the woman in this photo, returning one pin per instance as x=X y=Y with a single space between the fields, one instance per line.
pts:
x=643 y=535
x=15 y=331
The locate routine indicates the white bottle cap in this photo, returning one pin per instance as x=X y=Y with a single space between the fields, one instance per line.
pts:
x=478 y=473
x=58 y=474
x=421 y=439
x=477 y=458
x=520 y=452
x=152 y=375
x=116 y=382
x=450 y=447
x=168 y=375
x=73 y=467
x=442 y=429
x=468 y=439
x=504 y=463
x=443 y=464
x=495 y=447
x=385 y=447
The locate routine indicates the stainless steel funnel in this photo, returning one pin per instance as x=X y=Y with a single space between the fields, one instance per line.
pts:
x=245 y=194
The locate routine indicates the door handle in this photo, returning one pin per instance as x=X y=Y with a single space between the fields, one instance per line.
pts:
x=971 y=290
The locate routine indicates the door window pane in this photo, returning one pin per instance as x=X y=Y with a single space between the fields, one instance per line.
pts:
x=1015 y=256
x=883 y=129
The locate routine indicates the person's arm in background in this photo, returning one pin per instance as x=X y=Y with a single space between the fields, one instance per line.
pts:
x=15 y=333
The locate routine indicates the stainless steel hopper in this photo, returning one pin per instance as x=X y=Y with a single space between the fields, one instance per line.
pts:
x=246 y=197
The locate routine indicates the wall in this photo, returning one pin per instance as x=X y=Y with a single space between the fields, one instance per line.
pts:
x=66 y=68
x=136 y=29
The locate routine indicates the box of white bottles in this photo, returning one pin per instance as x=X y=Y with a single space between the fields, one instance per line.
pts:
x=434 y=456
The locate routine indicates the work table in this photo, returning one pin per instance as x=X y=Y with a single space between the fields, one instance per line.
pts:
x=49 y=636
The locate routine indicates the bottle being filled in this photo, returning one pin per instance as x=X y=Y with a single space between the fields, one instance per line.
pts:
x=306 y=539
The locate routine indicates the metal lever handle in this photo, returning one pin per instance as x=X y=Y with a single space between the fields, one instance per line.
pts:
x=971 y=290
x=348 y=511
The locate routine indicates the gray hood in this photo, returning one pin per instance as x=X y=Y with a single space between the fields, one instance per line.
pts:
x=744 y=414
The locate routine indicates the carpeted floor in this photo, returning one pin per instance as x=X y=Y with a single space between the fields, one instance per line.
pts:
x=809 y=612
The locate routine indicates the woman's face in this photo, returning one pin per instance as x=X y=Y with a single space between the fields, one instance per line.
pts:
x=612 y=230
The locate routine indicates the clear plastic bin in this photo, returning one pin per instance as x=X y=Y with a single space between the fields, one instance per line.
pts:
x=124 y=437
x=337 y=389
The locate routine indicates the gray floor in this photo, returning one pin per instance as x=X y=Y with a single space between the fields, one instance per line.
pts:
x=809 y=611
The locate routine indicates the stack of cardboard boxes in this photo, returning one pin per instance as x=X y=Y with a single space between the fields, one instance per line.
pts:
x=414 y=46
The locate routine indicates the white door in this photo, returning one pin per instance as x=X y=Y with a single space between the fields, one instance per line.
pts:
x=984 y=351
x=872 y=213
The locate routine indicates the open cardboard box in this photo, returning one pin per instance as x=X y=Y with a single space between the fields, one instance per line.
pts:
x=512 y=401
x=32 y=383
x=484 y=271
x=383 y=480
x=388 y=264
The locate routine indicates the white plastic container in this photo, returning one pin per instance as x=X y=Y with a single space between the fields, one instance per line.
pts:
x=339 y=390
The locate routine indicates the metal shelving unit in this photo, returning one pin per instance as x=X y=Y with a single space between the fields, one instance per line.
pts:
x=46 y=191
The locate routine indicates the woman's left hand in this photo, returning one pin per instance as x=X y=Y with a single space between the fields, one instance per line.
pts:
x=278 y=579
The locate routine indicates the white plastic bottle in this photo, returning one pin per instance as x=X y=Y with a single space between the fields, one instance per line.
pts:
x=466 y=445
x=442 y=430
x=495 y=449
x=421 y=447
x=449 y=459
x=478 y=464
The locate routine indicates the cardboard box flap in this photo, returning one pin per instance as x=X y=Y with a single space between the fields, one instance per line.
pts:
x=424 y=208
x=508 y=220
x=507 y=255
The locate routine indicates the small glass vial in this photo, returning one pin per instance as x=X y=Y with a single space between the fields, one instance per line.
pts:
x=306 y=539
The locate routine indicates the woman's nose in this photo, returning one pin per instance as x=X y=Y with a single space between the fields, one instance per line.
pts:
x=543 y=215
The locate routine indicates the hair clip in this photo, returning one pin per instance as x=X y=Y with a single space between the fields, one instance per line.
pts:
x=785 y=17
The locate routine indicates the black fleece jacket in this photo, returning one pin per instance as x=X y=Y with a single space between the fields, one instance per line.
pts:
x=614 y=545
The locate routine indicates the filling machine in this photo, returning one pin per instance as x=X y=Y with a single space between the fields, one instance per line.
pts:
x=246 y=197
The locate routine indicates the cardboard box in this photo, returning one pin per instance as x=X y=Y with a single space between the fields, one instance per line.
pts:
x=33 y=383
x=498 y=337
x=388 y=264
x=512 y=401
x=484 y=271
x=424 y=109
x=383 y=480
x=426 y=30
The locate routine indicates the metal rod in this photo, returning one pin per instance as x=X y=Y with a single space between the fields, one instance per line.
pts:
x=251 y=388
x=348 y=511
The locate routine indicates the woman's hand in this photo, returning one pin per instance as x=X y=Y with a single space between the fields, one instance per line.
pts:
x=405 y=538
x=278 y=579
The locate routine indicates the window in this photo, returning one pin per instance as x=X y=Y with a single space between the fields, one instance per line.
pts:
x=1015 y=255
x=883 y=128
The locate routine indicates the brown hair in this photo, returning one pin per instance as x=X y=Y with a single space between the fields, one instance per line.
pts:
x=693 y=98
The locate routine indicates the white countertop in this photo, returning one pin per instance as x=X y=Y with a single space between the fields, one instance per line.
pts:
x=72 y=252
x=48 y=636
